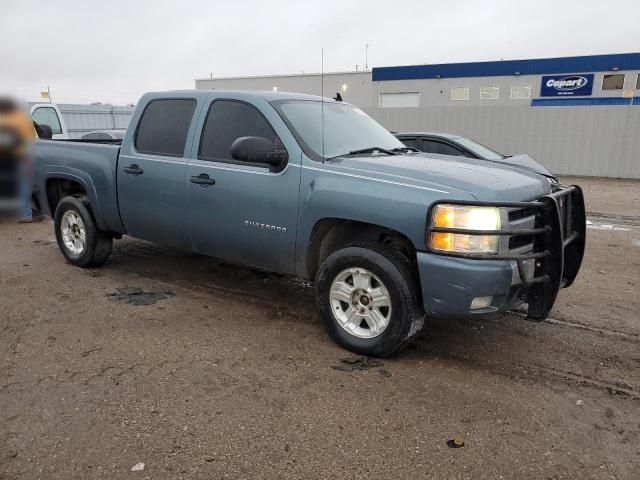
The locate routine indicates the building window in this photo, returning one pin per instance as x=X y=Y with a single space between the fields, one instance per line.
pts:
x=400 y=100
x=613 y=82
x=520 y=92
x=638 y=82
x=490 y=93
x=460 y=93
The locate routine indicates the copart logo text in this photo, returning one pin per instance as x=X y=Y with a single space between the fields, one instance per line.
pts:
x=565 y=84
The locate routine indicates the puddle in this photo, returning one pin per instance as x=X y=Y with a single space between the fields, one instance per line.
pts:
x=359 y=363
x=138 y=297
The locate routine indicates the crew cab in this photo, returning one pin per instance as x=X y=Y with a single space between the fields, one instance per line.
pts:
x=314 y=187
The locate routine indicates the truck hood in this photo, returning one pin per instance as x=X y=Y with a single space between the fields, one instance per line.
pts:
x=527 y=163
x=459 y=177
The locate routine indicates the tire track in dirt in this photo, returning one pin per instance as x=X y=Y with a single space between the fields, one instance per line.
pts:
x=547 y=351
x=535 y=371
x=559 y=350
x=631 y=220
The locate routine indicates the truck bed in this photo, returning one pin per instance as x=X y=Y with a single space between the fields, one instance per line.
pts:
x=92 y=164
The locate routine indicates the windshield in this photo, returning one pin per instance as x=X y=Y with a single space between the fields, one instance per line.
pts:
x=479 y=149
x=346 y=128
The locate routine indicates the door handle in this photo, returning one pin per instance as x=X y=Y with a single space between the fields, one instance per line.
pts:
x=203 y=179
x=134 y=169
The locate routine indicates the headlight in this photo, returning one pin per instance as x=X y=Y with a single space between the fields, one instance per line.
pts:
x=464 y=217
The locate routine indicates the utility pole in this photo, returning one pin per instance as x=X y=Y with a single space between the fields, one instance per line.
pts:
x=49 y=93
x=366 y=57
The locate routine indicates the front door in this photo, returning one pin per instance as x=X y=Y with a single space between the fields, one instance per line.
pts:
x=151 y=173
x=237 y=211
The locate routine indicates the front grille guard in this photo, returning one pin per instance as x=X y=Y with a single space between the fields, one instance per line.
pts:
x=558 y=245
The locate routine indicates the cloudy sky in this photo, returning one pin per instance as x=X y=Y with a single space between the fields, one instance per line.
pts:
x=112 y=51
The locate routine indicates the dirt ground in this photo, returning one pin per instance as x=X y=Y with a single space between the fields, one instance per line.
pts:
x=201 y=369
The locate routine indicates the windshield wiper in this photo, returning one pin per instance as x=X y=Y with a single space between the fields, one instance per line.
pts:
x=364 y=150
x=404 y=149
x=372 y=150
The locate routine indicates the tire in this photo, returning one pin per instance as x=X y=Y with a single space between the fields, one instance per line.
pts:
x=377 y=276
x=72 y=218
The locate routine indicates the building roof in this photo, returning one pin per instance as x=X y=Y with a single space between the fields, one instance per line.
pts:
x=284 y=75
x=539 y=66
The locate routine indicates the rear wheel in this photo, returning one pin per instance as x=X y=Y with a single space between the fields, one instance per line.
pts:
x=368 y=299
x=79 y=239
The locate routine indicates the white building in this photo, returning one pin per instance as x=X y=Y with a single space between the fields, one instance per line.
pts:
x=576 y=115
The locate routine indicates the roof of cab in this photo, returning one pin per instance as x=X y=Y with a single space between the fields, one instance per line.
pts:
x=450 y=136
x=267 y=95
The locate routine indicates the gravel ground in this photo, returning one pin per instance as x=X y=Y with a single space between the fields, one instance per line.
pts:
x=201 y=369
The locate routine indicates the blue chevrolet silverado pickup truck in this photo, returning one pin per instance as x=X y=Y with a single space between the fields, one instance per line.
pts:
x=314 y=187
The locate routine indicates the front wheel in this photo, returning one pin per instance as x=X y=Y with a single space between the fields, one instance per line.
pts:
x=79 y=239
x=368 y=300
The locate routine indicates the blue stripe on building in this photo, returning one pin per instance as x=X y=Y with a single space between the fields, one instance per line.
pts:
x=575 y=102
x=541 y=66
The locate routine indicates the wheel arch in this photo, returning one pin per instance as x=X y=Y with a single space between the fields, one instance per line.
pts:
x=330 y=234
x=62 y=185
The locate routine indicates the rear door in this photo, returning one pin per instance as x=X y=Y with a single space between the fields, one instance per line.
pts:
x=151 y=172
x=247 y=212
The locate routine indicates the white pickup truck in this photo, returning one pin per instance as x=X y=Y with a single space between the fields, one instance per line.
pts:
x=50 y=114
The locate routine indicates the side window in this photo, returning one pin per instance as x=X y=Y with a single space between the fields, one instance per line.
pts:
x=47 y=116
x=227 y=121
x=164 y=126
x=432 y=146
x=409 y=142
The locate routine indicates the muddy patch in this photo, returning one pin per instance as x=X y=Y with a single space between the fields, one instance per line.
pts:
x=138 y=297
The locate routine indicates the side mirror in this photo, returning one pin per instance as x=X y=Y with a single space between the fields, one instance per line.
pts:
x=44 y=131
x=257 y=150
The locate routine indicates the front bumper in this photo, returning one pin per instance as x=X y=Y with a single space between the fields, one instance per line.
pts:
x=449 y=285
x=450 y=282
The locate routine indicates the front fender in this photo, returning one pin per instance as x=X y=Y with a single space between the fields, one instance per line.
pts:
x=326 y=193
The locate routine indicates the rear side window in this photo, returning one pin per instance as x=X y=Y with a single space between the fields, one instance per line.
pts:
x=47 y=116
x=227 y=121
x=164 y=126
x=431 y=146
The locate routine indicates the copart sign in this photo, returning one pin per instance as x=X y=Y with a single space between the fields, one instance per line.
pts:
x=578 y=84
